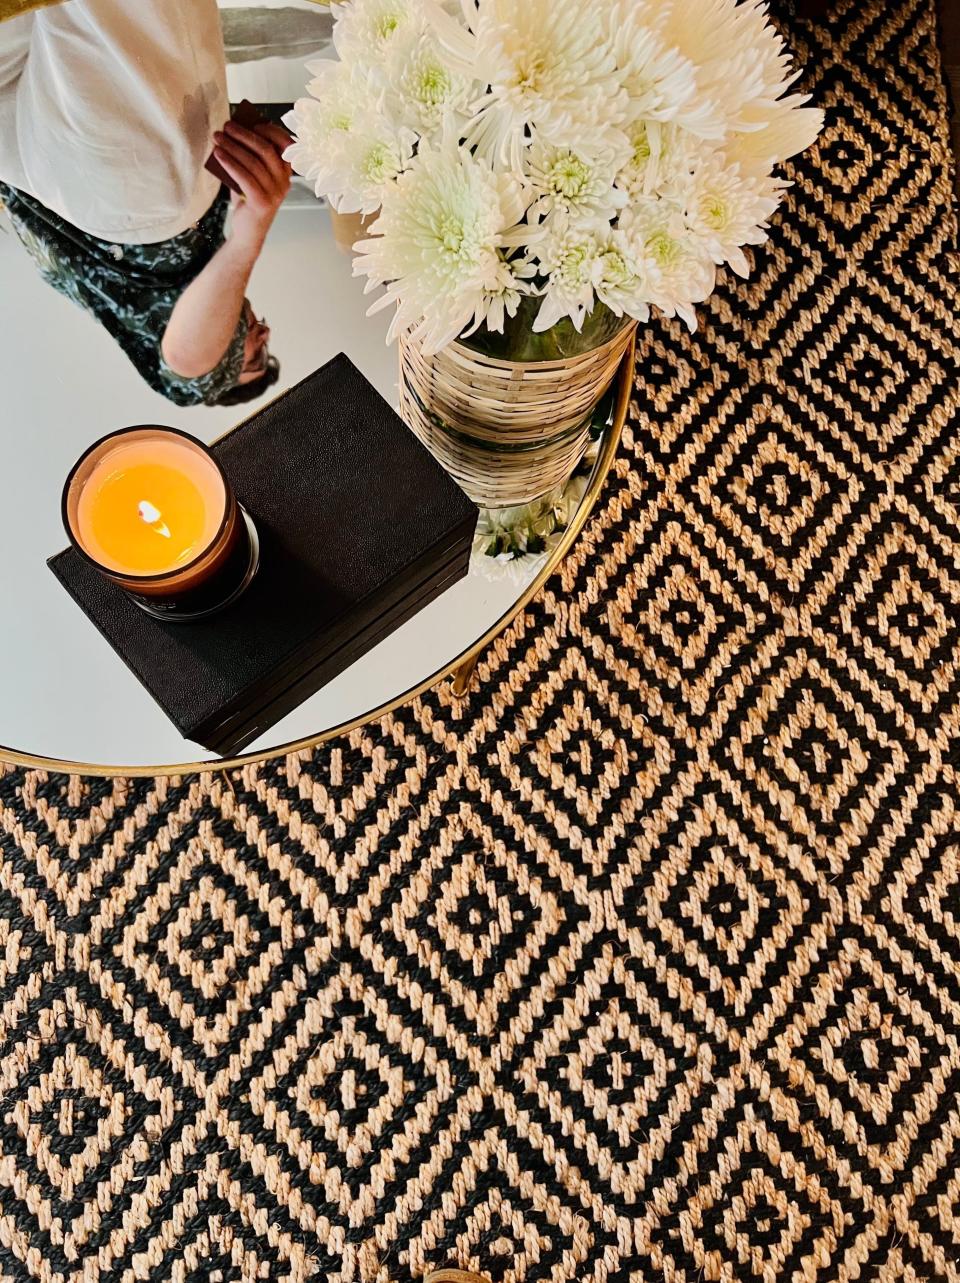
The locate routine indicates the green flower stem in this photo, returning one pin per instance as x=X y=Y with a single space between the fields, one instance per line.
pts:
x=519 y=342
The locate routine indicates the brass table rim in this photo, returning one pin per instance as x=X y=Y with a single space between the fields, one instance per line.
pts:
x=602 y=466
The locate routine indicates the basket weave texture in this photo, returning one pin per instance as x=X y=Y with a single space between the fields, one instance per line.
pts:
x=508 y=431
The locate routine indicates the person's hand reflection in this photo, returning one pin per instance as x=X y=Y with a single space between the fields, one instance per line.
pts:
x=253 y=159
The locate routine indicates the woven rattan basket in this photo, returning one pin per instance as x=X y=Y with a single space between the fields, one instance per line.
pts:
x=508 y=431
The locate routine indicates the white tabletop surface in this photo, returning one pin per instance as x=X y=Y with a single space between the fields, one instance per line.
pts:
x=64 y=693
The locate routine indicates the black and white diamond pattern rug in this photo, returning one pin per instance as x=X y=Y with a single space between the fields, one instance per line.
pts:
x=642 y=962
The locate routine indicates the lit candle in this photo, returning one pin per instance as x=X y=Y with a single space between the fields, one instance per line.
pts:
x=151 y=508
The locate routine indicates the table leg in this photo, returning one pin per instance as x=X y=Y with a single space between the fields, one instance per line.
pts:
x=463 y=676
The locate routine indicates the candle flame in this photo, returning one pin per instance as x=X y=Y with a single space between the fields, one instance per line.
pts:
x=151 y=516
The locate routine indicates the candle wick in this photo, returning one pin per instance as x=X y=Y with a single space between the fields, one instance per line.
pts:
x=151 y=516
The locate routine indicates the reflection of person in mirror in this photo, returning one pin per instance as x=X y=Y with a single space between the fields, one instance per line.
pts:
x=108 y=112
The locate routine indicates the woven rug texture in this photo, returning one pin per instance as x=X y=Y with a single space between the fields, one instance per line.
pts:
x=641 y=962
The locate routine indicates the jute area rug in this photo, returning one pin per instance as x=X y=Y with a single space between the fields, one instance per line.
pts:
x=642 y=962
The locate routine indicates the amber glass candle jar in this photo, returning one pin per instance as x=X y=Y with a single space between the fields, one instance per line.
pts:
x=152 y=510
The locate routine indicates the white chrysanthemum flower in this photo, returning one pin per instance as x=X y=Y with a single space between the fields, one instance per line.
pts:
x=620 y=281
x=725 y=209
x=424 y=85
x=676 y=270
x=309 y=124
x=659 y=153
x=440 y=246
x=569 y=255
x=369 y=157
x=319 y=123
x=790 y=128
x=661 y=83
x=577 y=177
x=365 y=30
x=548 y=63
x=742 y=63
x=340 y=87
x=620 y=151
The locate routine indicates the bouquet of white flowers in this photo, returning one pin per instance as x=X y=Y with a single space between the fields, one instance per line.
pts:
x=559 y=153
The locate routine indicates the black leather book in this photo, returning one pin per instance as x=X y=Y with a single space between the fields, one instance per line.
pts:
x=359 y=529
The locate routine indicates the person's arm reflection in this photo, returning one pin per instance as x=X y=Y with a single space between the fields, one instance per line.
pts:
x=205 y=317
x=107 y=113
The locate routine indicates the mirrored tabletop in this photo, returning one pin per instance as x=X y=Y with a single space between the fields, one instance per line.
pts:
x=65 y=695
